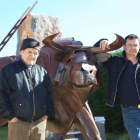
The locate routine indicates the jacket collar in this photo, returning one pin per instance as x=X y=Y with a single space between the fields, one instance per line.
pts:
x=25 y=65
x=124 y=56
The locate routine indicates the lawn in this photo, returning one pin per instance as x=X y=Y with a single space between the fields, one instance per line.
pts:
x=3 y=133
x=117 y=136
x=112 y=135
x=109 y=136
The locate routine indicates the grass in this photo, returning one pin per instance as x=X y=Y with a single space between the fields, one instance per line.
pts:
x=3 y=133
x=118 y=136
x=124 y=137
x=109 y=136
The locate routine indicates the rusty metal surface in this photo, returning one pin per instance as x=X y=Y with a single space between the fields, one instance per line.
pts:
x=75 y=75
x=16 y=26
x=6 y=60
x=86 y=124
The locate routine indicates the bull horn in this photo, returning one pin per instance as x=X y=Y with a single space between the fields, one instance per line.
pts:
x=117 y=44
x=47 y=41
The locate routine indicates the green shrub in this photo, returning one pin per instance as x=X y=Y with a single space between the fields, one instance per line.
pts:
x=97 y=102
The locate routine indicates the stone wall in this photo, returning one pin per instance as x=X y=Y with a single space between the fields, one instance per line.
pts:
x=39 y=27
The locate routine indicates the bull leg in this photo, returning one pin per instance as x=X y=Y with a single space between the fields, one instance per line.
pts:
x=3 y=122
x=80 y=127
x=86 y=124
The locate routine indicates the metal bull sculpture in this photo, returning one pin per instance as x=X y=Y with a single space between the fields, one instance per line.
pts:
x=75 y=75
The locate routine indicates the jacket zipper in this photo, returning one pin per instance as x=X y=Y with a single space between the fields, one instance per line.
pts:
x=135 y=80
x=117 y=83
x=33 y=96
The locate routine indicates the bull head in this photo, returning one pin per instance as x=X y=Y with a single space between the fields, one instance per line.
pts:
x=78 y=63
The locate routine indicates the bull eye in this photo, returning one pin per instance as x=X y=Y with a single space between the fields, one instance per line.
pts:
x=88 y=58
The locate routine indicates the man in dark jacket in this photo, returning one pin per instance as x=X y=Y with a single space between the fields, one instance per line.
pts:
x=124 y=83
x=26 y=95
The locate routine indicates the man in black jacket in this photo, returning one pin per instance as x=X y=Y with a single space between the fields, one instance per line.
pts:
x=124 y=83
x=26 y=95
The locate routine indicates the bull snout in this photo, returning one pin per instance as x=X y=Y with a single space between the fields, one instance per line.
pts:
x=88 y=68
x=83 y=74
x=84 y=67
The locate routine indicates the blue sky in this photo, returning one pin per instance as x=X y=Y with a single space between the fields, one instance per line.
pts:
x=85 y=20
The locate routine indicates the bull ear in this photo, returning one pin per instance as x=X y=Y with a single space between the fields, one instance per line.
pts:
x=47 y=41
x=118 y=43
x=102 y=57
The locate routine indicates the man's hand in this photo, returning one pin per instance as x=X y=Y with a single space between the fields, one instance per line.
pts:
x=15 y=119
x=45 y=117
x=104 y=44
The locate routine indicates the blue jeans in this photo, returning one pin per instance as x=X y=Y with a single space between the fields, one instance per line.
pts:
x=131 y=118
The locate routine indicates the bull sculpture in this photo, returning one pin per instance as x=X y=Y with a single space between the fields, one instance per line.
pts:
x=75 y=75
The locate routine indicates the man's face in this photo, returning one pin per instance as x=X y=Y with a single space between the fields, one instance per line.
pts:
x=131 y=47
x=29 y=55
